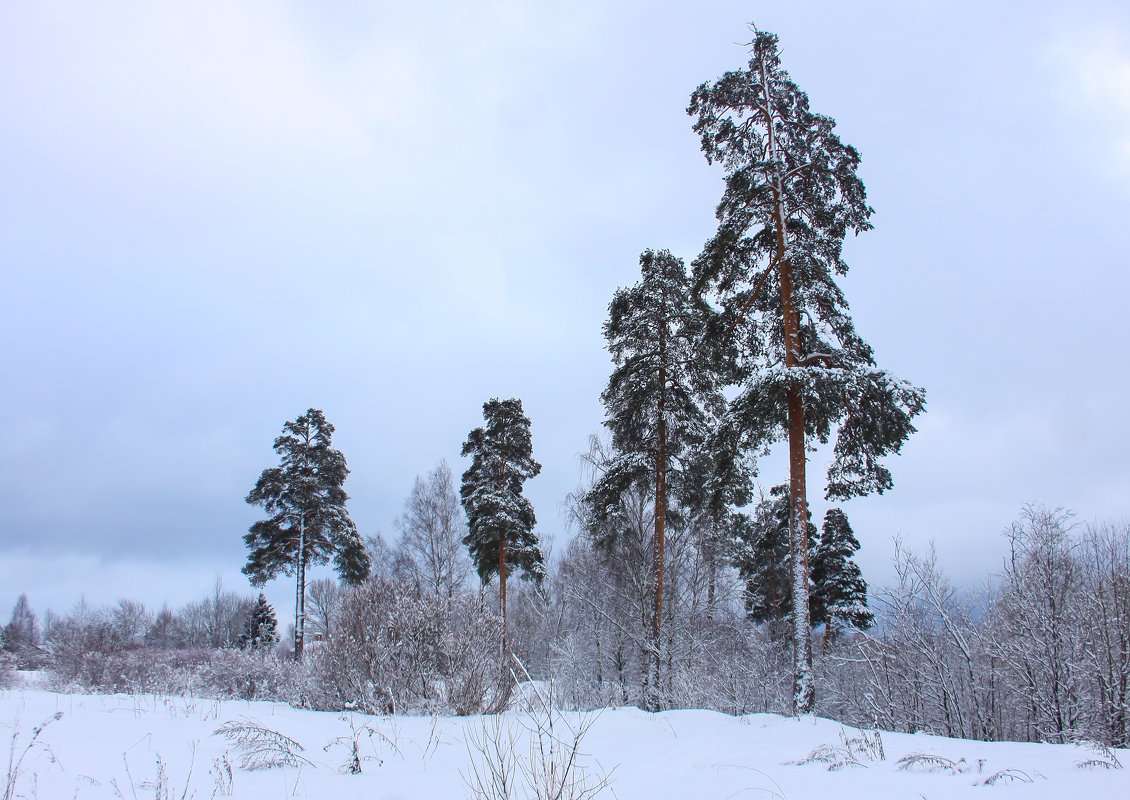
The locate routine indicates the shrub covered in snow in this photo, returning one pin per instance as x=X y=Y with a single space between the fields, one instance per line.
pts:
x=395 y=650
x=7 y=667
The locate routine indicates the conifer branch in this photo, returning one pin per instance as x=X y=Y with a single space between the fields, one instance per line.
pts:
x=752 y=297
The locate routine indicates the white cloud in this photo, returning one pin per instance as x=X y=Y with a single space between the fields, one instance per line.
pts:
x=228 y=84
x=1096 y=85
x=367 y=138
x=168 y=88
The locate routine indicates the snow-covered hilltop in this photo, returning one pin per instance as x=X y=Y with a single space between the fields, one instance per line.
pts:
x=142 y=746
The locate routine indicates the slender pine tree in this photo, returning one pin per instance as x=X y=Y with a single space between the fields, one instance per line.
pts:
x=500 y=519
x=659 y=400
x=792 y=195
x=308 y=522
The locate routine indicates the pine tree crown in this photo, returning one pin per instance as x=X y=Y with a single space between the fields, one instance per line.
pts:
x=664 y=381
x=305 y=501
x=791 y=182
x=491 y=491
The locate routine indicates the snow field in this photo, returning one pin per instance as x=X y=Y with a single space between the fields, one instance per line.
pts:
x=147 y=746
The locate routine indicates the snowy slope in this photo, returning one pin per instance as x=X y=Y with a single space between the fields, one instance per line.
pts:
x=117 y=746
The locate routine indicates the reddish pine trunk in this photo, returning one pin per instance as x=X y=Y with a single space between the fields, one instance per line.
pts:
x=803 y=690
x=711 y=569
x=504 y=644
x=660 y=525
x=300 y=591
x=502 y=591
x=300 y=597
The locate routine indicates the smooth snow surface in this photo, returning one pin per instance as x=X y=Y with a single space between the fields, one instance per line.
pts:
x=115 y=746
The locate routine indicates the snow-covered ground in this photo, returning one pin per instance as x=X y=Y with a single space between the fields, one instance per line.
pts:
x=146 y=746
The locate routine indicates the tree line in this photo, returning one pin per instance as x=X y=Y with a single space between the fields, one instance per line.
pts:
x=759 y=313
x=1039 y=652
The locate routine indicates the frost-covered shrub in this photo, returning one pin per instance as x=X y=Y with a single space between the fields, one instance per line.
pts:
x=222 y=674
x=7 y=670
x=251 y=675
x=733 y=666
x=81 y=647
x=1038 y=656
x=88 y=650
x=138 y=669
x=396 y=650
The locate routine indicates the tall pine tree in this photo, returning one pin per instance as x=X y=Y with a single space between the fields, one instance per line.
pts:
x=792 y=195
x=500 y=518
x=658 y=402
x=308 y=521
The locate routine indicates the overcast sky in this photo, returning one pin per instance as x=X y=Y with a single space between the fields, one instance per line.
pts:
x=215 y=215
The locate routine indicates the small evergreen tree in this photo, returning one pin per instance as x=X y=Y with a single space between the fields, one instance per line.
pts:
x=792 y=195
x=308 y=521
x=260 y=630
x=839 y=595
x=763 y=559
x=500 y=519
